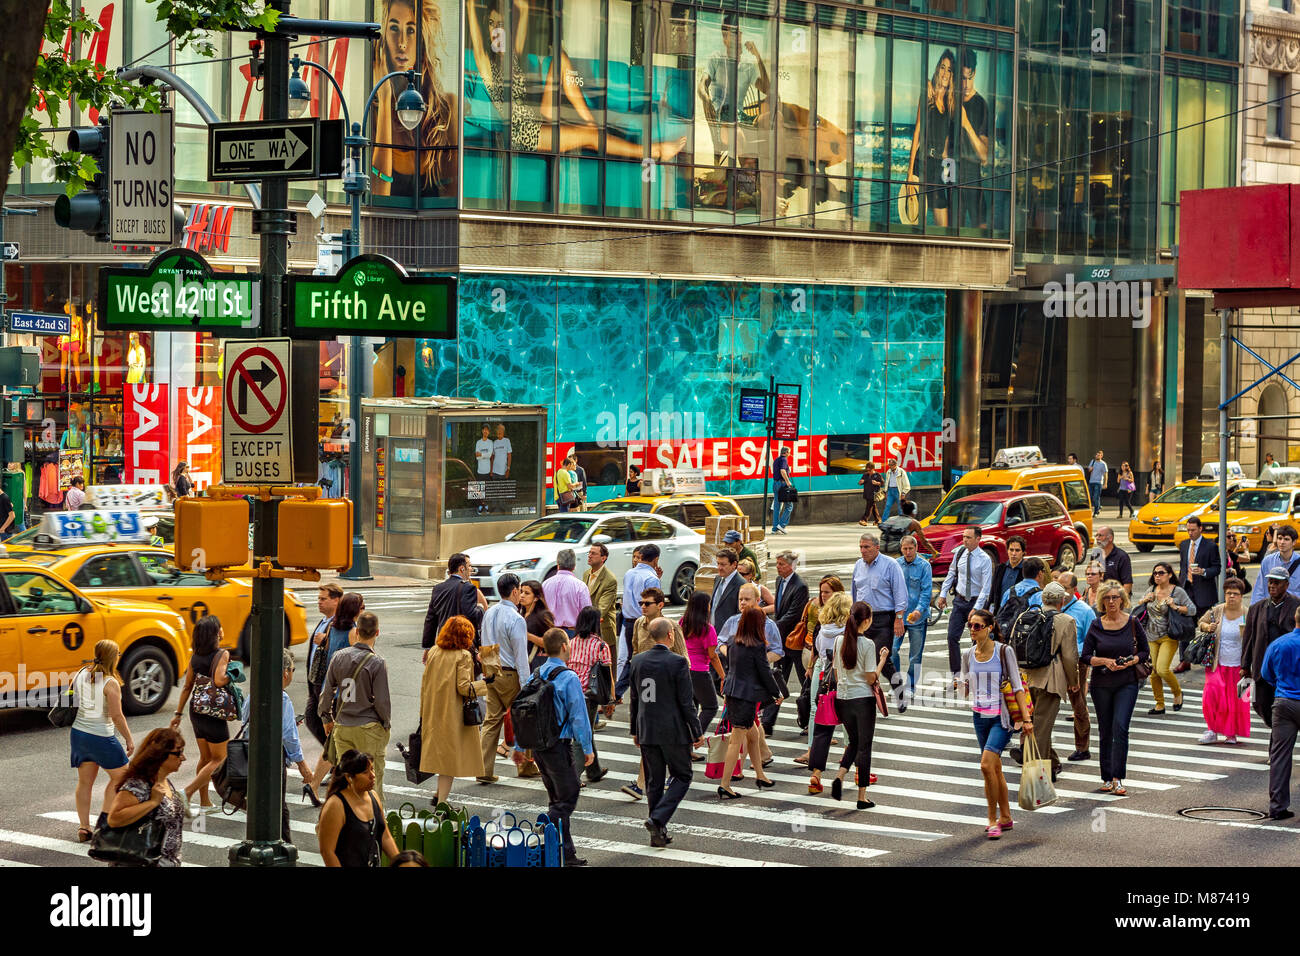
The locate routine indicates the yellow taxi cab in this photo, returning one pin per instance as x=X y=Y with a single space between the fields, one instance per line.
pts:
x=1025 y=469
x=1157 y=522
x=1251 y=512
x=690 y=509
x=49 y=628
x=105 y=553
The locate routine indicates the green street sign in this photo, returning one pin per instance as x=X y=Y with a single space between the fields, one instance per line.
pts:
x=178 y=291
x=372 y=295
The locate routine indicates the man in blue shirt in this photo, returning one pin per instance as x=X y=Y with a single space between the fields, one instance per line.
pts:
x=969 y=578
x=556 y=763
x=1083 y=618
x=1281 y=668
x=638 y=577
x=1097 y=472
x=878 y=580
x=781 y=510
x=504 y=630
x=291 y=746
x=920 y=585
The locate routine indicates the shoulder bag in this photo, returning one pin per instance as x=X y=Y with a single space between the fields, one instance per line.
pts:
x=797 y=639
x=136 y=844
x=1181 y=626
x=411 y=755
x=64 y=713
x=600 y=683
x=231 y=777
x=209 y=700
x=1141 y=668
x=1203 y=646
x=319 y=660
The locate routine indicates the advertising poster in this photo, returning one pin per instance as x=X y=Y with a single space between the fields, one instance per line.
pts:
x=145 y=425
x=490 y=470
x=198 y=434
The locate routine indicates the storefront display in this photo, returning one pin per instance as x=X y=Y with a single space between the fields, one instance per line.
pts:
x=490 y=469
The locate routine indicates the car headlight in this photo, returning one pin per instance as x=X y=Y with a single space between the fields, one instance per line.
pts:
x=1182 y=528
x=524 y=565
x=1246 y=529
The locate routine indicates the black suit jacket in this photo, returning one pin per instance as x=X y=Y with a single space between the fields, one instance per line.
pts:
x=726 y=603
x=1255 y=638
x=662 y=699
x=749 y=675
x=1202 y=589
x=453 y=596
x=790 y=605
x=1000 y=575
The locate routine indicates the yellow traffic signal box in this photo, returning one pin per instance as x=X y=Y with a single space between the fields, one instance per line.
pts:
x=211 y=533
x=315 y=534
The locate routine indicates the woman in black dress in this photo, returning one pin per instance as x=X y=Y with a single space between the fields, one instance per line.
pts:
x=932 y=138
x=351 y=830
x=207 y=666
x=633 y=485
x=537 y=619
x=749 y=684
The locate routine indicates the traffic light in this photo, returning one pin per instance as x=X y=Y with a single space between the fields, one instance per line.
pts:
x=88 y=209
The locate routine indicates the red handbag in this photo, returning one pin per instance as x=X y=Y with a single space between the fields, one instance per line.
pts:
x=827 y=715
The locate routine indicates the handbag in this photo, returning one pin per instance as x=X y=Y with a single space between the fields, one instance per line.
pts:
x=1141 y=668
x=411 y=756
x=1009 y=693
x=878 y=692
x=787 y=494
x=1181 y=626
x=1036 y=789
x=64 y=713
x=566 y=498
x=319 y=662
x=231 y=777
x=798 y=636
x=209 y=700
x=1202 y=647
x=717 y=752
x=827 y=715
x=471 y=712
x=136 y=844
x=600 y=684
x=803 y=705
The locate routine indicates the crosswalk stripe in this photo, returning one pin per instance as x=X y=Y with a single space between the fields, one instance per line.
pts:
x=16 y=863
x=66 y=847
x=1221 y=823
x=717 y=809
x=668 y=853
x=688 y=829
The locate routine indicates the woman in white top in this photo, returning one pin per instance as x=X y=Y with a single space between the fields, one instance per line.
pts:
x=1225 y=713
x=831 y=618
x=857 y=668
x=98 y=691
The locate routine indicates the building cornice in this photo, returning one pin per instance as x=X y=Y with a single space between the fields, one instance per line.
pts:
x=1274 y=39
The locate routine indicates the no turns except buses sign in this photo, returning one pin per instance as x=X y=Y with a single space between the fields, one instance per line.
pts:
x=255 y=441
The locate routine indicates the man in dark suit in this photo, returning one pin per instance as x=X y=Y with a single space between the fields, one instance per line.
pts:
x=791 y=600
x=726 y=590
x=1266 y=621
x=1201 y=554
x=456 y=595
x=664 y=726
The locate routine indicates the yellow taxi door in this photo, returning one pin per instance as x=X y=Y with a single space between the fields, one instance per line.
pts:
x=57 y=638
x=190 y=595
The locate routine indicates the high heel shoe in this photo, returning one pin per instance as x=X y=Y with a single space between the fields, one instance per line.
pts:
x=728 y=794
x=309 y=794
x=764 y=784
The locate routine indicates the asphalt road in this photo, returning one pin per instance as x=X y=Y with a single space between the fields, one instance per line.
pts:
x=930 y=803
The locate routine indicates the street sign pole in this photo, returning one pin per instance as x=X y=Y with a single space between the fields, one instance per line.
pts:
x=4 y=296
x=273 y=222
x=355 y=183
x=770 y=421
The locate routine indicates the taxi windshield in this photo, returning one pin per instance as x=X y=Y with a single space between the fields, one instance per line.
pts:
x=1188 y=495
x=1259 y=499
x=25 y=537
x=966 y=511
x=42 y=559
x=624 y=506
x=568 y=530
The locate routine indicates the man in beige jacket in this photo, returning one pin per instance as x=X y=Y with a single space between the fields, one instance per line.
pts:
x=1047 y=685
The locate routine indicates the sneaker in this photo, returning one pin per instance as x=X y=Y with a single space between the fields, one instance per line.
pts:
x=1232 y=740
x=1209 y=737
x=486 y=779
x=600 y=725
x=633 y=791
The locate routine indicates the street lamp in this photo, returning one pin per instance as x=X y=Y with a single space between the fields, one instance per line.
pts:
x=410 y=108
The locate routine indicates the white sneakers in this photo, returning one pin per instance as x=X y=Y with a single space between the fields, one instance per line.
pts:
x=1231 y=740
x=1210 y=737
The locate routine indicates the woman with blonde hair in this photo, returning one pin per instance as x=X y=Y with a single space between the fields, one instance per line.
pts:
x=451 y=747
x=394 y=157
x=829 y=585
x=1113 y=647
x=1092 y=586
x=749 y=573
x=98 y=690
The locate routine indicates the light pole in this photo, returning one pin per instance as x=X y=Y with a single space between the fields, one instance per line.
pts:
x=410 y=111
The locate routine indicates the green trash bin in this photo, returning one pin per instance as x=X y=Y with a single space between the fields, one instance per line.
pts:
x=12 y=485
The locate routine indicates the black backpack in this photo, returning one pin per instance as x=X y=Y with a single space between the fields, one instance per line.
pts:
x=1031 y=637
x=1011 y=609
x=533 y=713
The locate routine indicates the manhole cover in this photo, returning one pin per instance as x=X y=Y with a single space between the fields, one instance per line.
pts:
x=1222 y=814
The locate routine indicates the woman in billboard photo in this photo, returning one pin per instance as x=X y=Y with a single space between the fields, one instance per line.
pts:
x=932 y=138
x=427 y=154
x=533 y=126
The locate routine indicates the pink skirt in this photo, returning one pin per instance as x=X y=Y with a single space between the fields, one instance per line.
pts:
x=1225 y=713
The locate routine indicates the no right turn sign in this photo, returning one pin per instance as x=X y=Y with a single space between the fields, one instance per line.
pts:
x=255 y=441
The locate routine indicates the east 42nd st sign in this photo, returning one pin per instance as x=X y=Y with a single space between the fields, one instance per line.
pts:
x=372 y=295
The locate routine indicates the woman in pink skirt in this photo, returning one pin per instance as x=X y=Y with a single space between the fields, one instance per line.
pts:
x=1225 y=713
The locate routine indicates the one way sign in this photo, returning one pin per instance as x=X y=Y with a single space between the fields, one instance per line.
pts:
x=10 y=250
x=276 y=148
x=255 y=441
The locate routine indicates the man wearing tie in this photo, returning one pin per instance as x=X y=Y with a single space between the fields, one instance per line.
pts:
x=1198 y=570
x=726 y=593
x=970 y=577
x=791 y=601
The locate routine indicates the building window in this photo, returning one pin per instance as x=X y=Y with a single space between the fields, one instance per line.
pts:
x=1280 y=4
x=1278 y=87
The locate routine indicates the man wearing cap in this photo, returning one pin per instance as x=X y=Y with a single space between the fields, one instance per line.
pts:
x=1284 y=557
x=1266 y=621
x=733 y=540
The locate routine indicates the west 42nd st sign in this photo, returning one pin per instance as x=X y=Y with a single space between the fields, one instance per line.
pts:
x=178 y=290
x=372 y=295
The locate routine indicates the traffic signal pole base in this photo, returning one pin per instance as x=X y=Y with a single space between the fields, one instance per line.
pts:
x=360 y=570
x=277 y=853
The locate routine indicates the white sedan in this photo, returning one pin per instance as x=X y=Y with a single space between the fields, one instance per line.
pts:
x=530 y=552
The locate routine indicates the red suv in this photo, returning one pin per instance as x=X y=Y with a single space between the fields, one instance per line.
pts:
x=1037 y=517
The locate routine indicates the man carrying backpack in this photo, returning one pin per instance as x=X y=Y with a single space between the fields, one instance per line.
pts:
x=548 y=715
x=1043 y=639
x=1027 y=593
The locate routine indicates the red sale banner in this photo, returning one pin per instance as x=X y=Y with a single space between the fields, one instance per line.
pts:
x=198 y=434
x=145 y=425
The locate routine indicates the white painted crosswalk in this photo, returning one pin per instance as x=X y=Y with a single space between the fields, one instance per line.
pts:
x=930 y=792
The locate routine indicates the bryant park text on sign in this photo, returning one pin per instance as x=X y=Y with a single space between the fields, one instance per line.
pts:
x=178 y=290
x=372 y=295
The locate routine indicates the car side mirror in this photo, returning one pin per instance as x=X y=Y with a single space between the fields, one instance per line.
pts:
x=1012 y=520
x=602 y=539
x=510 y=536
x=83 y=606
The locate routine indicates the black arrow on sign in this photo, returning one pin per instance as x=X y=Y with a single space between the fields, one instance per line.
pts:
x=264 y=376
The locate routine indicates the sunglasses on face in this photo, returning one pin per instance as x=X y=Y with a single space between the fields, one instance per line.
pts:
x=178 y=753
x=976 y=627
x=1111 y=597
x=1161 y=573
x=648 y=603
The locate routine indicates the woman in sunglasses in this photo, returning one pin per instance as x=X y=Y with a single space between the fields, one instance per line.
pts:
x=749 y=572
x=1162 y=601
x=1113 y=646
x=1091 y=584
x=983 y=667
x=147 y=791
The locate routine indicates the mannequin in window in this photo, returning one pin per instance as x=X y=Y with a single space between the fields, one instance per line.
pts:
x=70 y=346
x=136 y=361
x=74 y=438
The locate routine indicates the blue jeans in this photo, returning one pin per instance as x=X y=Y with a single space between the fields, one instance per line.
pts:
x=915 y=645
x=1114 y=706
x=891 y=502
x=991 y=734
x=781 y=511
x=1095 y=488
